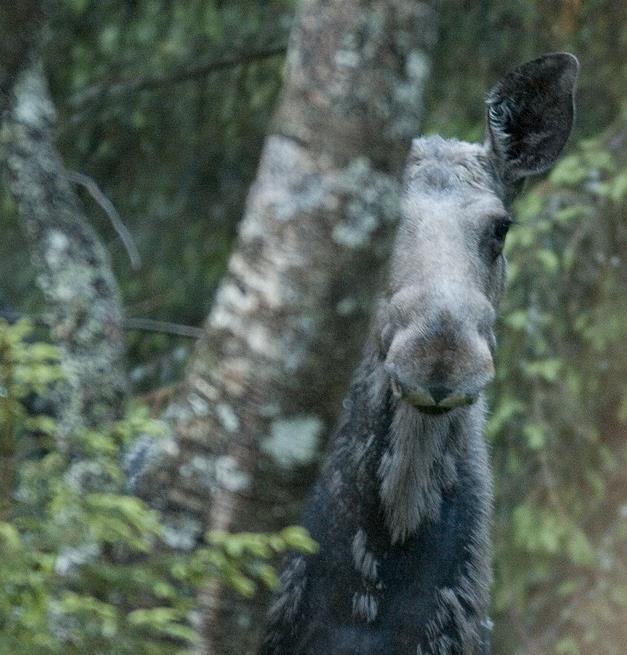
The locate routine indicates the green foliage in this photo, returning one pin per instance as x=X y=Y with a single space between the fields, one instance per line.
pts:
x=177 y=160
x=557 y=425
x=25 y=369
x=480 y=42
x=82 y=567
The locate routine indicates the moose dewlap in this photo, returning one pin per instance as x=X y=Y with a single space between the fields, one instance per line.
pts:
x=402 y=508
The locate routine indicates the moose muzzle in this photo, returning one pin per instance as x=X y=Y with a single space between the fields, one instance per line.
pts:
x=443 y=360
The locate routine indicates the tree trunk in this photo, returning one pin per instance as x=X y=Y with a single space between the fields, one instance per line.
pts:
x=266 y=380
x=73 y=267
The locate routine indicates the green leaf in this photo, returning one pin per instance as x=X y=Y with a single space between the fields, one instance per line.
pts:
x=298 y=538
x=9 y=537
x=535 y=435
x=548 y=259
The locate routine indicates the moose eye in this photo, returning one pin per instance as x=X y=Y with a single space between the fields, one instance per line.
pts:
x=500 y=227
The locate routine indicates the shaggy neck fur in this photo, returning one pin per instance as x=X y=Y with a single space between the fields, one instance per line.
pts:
x=418 y=454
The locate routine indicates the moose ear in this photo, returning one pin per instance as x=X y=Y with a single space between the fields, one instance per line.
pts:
x=530 y=115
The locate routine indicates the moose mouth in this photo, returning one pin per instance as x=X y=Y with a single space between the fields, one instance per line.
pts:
x=433 y=410
x=423 y=401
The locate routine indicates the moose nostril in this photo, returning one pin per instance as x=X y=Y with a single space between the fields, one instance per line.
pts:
x=439 y=393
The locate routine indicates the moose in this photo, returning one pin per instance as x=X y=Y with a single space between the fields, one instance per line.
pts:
x=402 y=508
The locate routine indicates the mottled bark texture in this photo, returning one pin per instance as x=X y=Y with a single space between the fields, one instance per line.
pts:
x=73 y=269
x=265 y=383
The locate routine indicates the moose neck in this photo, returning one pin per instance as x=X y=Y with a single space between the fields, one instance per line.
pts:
x=413 y=455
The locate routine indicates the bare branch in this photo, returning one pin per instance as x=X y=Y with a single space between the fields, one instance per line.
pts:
x=128 y=87
x=107 y=206
x=164 y=327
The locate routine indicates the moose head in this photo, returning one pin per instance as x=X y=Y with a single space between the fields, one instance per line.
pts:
x=435 y=324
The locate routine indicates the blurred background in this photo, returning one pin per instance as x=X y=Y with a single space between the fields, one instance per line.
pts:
x=164 y=106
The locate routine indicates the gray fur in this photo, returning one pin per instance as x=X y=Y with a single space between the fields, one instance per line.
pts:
x=364 y=606
x=402 y=508
x=365 y=562
x=414 y=472
x=287 y=605
x=409 y=469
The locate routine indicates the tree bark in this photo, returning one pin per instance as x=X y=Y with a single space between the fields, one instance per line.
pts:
x=73 y=269
x=266 y=380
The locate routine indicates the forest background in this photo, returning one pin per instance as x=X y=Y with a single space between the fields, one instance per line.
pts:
x=162 y=108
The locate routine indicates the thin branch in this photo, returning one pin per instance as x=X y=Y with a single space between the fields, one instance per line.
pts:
x=127 y=87
x=107 y=206
x=143 y=324
x=165 y=327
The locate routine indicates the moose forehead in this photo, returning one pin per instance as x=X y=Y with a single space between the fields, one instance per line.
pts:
x=438 y=166
x=450 y=180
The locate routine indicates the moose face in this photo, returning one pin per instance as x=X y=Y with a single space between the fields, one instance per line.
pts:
x=448 y=270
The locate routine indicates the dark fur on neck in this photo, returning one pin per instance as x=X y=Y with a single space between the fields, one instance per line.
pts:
x=401 y=514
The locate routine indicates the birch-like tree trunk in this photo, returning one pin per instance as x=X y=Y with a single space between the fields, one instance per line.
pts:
x=72 y=265
x=266 y=380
